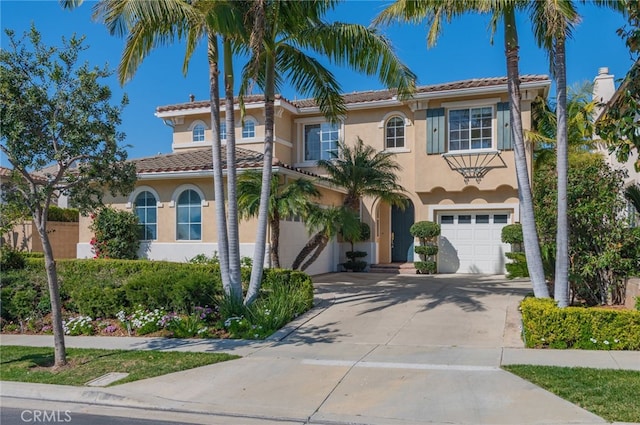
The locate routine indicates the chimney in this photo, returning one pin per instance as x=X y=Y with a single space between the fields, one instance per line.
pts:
x=603 y=88
x=192 y=98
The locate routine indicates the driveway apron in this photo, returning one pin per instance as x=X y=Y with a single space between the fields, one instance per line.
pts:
x=386 y=349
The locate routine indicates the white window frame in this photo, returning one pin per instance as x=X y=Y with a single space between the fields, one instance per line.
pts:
x=254 y=122
x=335 y=128
x=223 y=130
x=146 y=208
x=192 y=129
x=470 y=129
x=174 y=204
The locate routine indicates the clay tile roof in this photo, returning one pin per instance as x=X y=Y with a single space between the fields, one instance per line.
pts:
x=373 y=95
x=206 y=104
x=5 y=172
x=201 y=160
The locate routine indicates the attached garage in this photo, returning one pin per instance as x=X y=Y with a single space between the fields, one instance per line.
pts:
x=470 y=241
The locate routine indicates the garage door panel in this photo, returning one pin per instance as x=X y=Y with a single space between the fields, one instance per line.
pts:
x=470 y=247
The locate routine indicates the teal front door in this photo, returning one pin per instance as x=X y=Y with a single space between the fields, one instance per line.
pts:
x=401 y=239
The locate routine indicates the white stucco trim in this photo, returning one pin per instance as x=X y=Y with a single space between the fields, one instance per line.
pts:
x=388 y=116
x=196 y=122
x=470 y=103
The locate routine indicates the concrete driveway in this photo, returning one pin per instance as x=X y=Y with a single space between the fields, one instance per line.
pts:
x=381 y=349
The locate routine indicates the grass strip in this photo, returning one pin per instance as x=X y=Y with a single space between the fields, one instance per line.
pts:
x=34 y=364
x=609 y=393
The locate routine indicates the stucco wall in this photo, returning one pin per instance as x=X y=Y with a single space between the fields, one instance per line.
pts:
x=62 y=236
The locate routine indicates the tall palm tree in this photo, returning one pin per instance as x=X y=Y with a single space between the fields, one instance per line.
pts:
x=284 y=34
x=362 y=171
x=327 y=223
x=552 y=22
x=147 y=25
x=434 y=11
x=287 y=199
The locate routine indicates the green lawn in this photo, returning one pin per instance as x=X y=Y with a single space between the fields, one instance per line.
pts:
x=611 y=394
x=33 y=364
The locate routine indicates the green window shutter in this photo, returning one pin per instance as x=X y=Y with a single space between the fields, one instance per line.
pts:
x=435 y=131
x=505 y=135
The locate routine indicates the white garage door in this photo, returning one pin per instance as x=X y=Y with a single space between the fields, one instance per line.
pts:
x=470 y=242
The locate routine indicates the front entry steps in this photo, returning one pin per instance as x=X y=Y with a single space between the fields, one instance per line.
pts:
x=393 y=268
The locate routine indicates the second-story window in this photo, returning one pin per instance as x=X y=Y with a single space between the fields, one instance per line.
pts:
x=249 y=129
x=320 y=141
x=470 y=128
x=223 y=131
x=394 y=133
x=198 y=133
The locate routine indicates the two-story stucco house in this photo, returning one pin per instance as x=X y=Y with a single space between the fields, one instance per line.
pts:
x=453 y=142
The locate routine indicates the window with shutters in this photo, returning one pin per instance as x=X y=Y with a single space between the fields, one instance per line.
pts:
x=470 y=128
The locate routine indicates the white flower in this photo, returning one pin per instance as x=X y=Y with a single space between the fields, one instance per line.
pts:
x=605 y=342
x=616 y=341
x=593 y=340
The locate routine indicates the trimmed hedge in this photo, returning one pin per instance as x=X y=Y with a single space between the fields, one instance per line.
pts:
x=593 y=328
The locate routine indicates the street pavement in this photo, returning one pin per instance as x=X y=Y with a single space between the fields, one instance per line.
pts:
x=377 y=349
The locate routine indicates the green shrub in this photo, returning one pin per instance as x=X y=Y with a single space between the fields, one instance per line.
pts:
x=68 y=215
x=97 y=296
x=24 y=295
x=518 y=265
x=284 y=295
x=426 y=250
x=638 y=303
x=10 y=259
x=355 y=265
x=116 y=234
x=425 y=230
x=546 y=325
x=425 y=267
x=512 y=233
x=352 y=255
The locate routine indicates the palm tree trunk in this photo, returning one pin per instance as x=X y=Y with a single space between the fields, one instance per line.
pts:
x=218 y=183
x=60 y=354
x=263 y=213
x=275 y=240
x=530 y=234
x=561 y=288
x=235 y=282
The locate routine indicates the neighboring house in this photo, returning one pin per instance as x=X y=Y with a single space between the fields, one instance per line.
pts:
x=605 y=93
x=444 y=137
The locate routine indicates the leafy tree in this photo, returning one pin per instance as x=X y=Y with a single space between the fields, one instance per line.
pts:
x=327 y=223
x=598 y=264
x=287 y=199
x=362 y=171
x=55 y=111
x=283 y=34
x=618 y=126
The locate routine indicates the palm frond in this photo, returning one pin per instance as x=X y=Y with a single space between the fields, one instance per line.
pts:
x=632 y=193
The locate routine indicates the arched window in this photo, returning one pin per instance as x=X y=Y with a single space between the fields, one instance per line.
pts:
x=189 y=216
x=147 y=211
x=249 y=128
x=394 y=136
x=198 y=133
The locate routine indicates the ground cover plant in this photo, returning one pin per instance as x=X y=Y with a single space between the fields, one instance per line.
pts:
x=33 y=364
x=611 y=394
x=127 y=297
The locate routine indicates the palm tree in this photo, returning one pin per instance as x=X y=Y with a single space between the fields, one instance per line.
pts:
x=327 y=223
x=284 y=32
x=632 y=193
x=580 y=112
x=287 y=199
x=552 y=23
x=434 y=11
x=362 y=171
x=149 y=24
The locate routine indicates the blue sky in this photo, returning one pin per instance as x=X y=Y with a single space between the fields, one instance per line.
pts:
x=464 y=51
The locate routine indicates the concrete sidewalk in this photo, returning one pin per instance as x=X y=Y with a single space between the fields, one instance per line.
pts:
x=380 y=349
